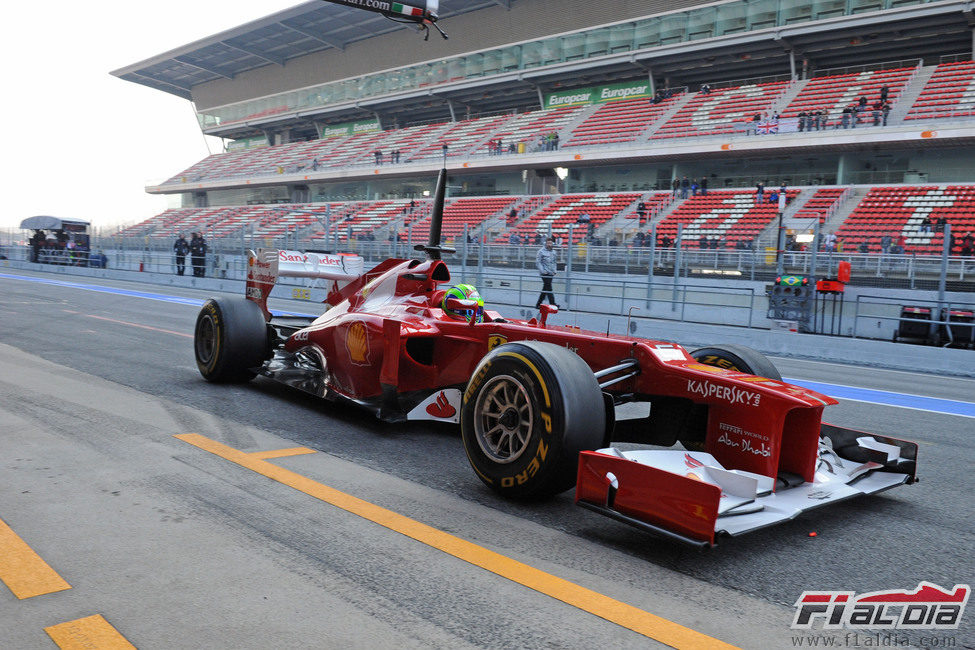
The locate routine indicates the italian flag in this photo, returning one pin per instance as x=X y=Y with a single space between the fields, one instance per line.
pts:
x=406 y=10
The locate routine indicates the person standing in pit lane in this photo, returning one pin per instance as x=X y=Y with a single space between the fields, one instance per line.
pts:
x=545 y=260
x=198 y=252
x=180 y=248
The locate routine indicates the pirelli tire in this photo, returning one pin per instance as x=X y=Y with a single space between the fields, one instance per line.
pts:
x=738 y=357
x=528 y=410
x=230 y=340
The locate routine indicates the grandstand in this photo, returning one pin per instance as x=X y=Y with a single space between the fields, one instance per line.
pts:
x=546 y=110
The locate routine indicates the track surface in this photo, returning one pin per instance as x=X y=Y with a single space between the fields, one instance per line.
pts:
x=180 y=548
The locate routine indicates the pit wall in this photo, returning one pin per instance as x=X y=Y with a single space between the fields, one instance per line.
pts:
x=859 y=351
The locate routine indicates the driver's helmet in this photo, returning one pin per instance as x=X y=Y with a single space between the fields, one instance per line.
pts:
x=464 y=292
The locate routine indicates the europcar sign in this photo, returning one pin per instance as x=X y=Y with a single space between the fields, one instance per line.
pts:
x=598 y=94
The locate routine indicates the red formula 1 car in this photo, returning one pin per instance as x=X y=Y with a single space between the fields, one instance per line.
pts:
x=537 y=402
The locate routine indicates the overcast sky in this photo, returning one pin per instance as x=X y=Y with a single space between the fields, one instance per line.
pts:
x=80 y=143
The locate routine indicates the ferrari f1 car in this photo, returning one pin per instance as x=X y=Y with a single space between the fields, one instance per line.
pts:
x=537 y=402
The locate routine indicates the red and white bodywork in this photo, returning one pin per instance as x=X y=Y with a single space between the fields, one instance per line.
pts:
x=761 y=453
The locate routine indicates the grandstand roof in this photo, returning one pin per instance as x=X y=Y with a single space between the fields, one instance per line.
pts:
x=307 y=28
x=911 y=31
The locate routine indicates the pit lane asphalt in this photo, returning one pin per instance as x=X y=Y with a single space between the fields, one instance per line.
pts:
x=894 y=540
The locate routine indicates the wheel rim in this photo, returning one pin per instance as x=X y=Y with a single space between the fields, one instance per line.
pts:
x=205 y=339
x=503 y=418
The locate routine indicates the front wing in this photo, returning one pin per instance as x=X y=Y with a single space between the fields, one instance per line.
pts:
x=689 y=497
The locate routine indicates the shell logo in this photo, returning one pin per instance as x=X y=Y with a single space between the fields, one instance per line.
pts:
x=726 y=147
x=357 y=343
x=929 y=134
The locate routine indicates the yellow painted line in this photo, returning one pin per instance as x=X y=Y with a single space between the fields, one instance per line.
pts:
x=23 y=570
x=281 y=453
x=628 y=616
x=89 y=633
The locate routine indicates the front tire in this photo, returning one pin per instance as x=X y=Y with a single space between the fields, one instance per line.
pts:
x=738 y=357
x=529 y=409
x=230 y=340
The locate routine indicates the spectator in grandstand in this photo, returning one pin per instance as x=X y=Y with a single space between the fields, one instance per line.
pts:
x=675 y=184
x=180 y=248
x=939 y=224
x=864 y=247
x=705 y=89
x=926 y=226
x=514 y=238
x=545 y=260
x=885 y=243
x=884 y=91
x=885 y=111
x=759 y=192
x=704 y=185
x=378 y=155
x=829 y=242
x=538 y=239
x=967 y=245
x=753 y=125
x=584 y=218
x=641 y=212
x=703 y=242
x=845 y=120
x=314 y=167
x=685 y=186
x=802 y=121
x=877 y=108
x=773 y=197
x=198 y=252
x=555 y=141
x=695 y=186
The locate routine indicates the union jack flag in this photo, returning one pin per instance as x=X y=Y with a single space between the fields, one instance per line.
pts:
x=767 y=127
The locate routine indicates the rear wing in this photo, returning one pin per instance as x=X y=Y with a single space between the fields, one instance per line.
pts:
x=268 y=264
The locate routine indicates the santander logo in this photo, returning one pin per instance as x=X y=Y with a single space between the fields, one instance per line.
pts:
x=441 y=408
x=286 y=256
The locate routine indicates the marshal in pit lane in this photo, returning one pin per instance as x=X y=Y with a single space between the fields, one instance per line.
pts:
x=535 y=400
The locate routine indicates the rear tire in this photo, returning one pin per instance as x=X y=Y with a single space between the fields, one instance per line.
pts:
x=230 y=340
x=529 y=409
